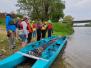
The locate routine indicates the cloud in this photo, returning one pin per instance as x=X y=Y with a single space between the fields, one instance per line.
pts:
x=79 y=9
x=8 y=5
x=83 y=3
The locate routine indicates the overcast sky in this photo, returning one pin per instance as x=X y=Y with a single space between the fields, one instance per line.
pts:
x=79 y=9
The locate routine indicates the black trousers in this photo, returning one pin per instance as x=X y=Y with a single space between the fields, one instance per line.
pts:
x=38 y=34
x=49 y=32
x=43 y=33
x=29 y=37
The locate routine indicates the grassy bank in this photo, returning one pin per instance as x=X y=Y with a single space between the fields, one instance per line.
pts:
x=4 y=47
x=62 y=29
x=88 y=25
x=2 y=21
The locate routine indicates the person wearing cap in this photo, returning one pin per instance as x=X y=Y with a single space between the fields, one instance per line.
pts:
x=11 y=29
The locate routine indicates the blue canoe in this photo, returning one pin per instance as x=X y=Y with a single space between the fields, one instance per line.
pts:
x=53 y=46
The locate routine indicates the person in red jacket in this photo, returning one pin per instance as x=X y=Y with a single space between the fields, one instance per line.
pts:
x=50 y=29
x=30 y=30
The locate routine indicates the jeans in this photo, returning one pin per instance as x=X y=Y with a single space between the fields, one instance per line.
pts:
x=34 y=34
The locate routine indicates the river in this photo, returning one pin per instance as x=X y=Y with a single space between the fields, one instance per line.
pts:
x=78 y=50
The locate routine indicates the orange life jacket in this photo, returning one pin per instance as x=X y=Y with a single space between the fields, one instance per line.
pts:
x=29 y=28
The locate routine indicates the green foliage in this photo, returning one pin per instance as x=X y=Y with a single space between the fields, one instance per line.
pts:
x=2 y=21
x=62 y=29
x=42 y=9
x=20 y=16
x=68 y=20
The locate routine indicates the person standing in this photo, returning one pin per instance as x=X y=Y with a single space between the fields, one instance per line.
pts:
x=23 y=32
x=11 y=30
x=39 y=25
x=44 y=29
x=50 y=29
x=29 y=28
x=17 y=24
x=34 y=30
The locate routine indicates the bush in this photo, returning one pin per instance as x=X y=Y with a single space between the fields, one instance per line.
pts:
x=68 y=20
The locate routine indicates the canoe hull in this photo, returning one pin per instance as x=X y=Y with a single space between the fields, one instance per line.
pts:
x=45 y=64
x=15 y=59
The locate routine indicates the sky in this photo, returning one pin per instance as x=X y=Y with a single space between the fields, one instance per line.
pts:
x=8 y=5
x=79 y=9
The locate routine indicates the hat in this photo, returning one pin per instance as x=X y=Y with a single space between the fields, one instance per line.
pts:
x=49 y=21
x=18 y=17
x=33 y=21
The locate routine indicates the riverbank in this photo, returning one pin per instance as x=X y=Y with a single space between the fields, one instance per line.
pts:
x=88 y=25
x=62 y=29
x=4 y=50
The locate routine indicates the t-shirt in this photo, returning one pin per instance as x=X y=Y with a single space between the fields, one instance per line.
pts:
x=24 y=24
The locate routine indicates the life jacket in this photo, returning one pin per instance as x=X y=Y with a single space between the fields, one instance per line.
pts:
x=34 y=27
x=29 y=28
x=50 y=26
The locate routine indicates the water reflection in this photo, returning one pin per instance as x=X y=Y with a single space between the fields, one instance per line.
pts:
x=78 y=50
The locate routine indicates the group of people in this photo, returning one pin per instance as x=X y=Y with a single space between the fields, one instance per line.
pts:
x=26 y=30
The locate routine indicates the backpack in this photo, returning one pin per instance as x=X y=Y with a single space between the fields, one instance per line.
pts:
x=44 y=27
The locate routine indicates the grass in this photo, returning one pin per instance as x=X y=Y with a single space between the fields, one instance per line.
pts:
x=4 y=48
x=2 y=21
x=62 y=29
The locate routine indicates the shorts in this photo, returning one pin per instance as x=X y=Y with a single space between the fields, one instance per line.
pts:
x=23 y=37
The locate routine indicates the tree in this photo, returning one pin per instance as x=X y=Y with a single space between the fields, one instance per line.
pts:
x=68 y=19
x=42 y=9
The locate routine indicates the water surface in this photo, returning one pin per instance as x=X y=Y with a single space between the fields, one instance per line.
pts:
x=78 y=50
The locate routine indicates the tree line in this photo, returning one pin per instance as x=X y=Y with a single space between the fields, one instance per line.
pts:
x=42 y=9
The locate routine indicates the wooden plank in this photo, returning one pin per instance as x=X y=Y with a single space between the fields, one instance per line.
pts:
x=31 y=56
